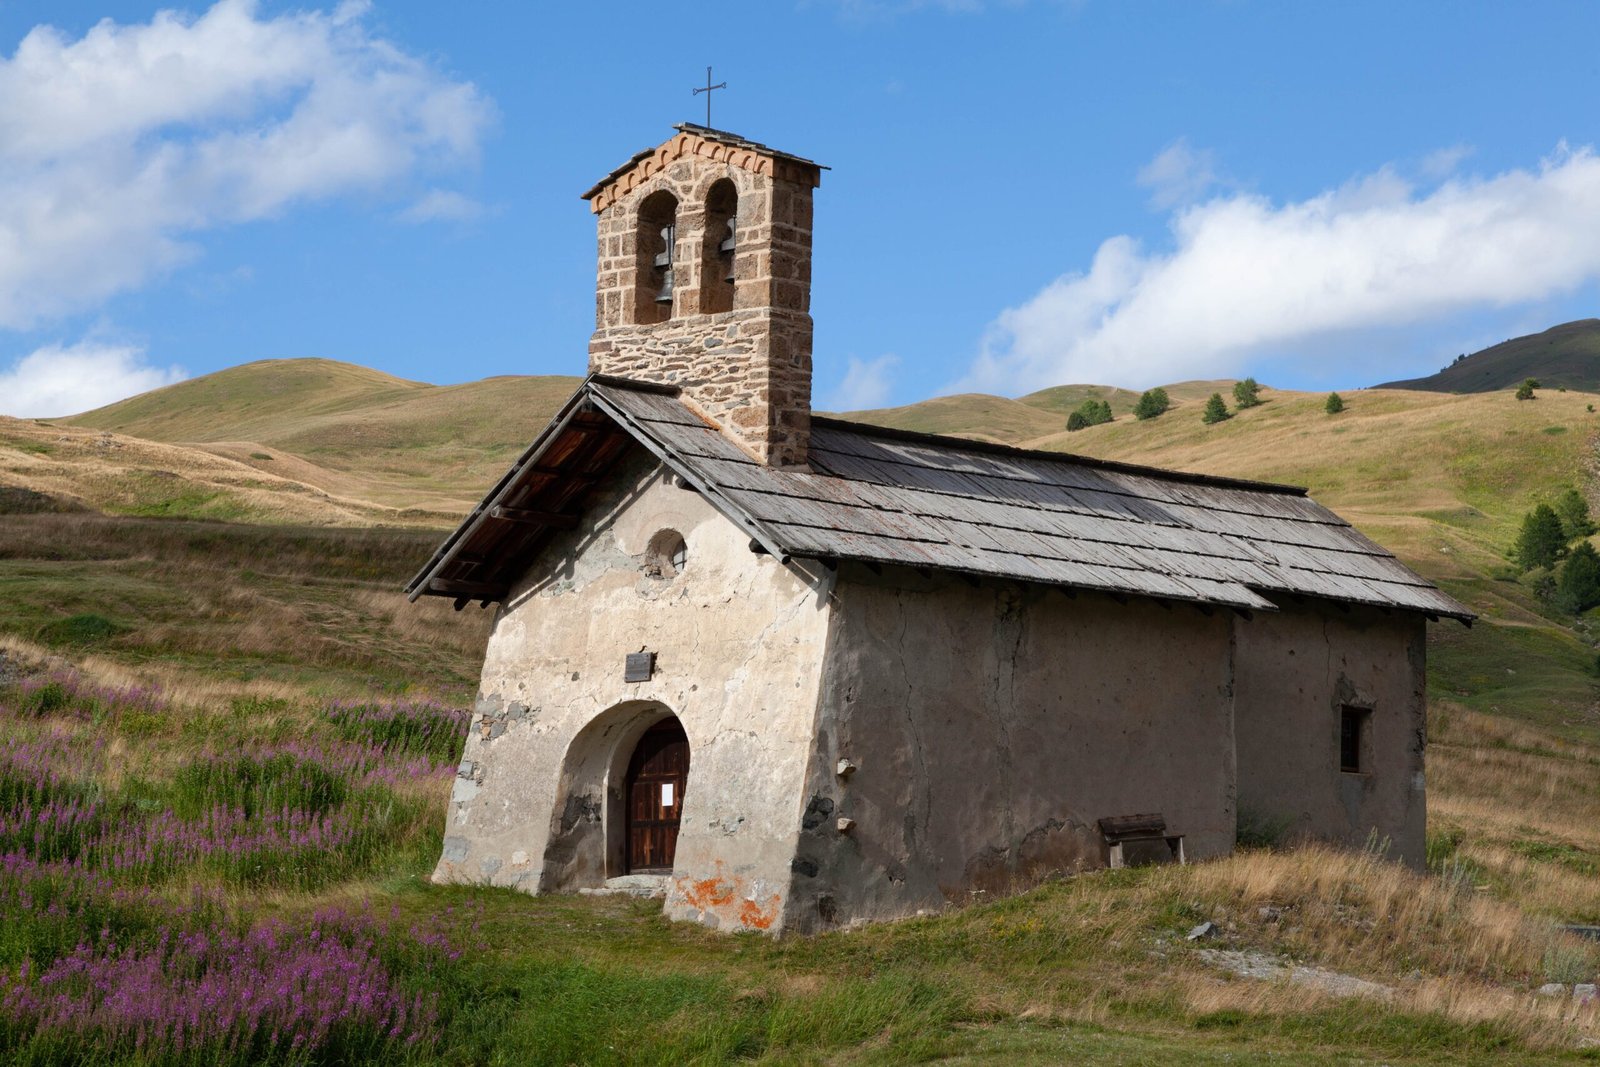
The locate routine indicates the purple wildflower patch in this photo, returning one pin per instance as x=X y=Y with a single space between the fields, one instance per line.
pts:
x=105 y=953
x=271 y=991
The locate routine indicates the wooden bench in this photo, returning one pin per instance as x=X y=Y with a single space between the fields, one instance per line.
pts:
x=1119 y=830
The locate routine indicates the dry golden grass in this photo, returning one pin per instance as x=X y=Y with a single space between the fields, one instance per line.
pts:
x=350 y=431
x=126 y=475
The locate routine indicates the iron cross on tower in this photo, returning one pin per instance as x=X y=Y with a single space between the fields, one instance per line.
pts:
x=707 y=89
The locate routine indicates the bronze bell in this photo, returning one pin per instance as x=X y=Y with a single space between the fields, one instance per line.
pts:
x=725 y=249
x=663 y=263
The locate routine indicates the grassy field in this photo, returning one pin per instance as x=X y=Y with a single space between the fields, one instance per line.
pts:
x=226 y=743
x=265 y=856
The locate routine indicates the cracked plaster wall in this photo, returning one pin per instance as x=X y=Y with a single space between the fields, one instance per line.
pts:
x=1295 y=670
x=990 y=727
x=738 y=639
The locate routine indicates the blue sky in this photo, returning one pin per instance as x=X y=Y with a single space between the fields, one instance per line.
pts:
x=1021 y=194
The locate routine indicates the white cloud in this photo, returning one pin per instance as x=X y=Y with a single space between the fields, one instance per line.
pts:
x=442 y=205
x=1178 y=175
x=66 y=380
x=1246 y=278
x=867 y=383
x=1443 y=162
x=118 y=146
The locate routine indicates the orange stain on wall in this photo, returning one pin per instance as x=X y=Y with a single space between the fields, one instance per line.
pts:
x=718 y=893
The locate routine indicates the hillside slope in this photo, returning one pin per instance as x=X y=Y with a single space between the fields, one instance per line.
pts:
x=348 y=430
x=1027 y=418
x=1562 y=356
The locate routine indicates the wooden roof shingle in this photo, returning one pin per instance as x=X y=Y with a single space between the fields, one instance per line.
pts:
x=885 y=496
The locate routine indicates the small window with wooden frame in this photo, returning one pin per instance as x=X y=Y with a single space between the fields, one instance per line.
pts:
x=1355 y=739
x=717 y=247
x=654 y=252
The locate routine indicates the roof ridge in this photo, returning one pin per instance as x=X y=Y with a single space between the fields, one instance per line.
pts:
x=996 y=448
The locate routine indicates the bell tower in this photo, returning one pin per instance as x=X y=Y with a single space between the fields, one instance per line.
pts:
x=704 y=282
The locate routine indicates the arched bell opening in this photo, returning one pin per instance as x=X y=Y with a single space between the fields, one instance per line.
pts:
x=717 y=247
x=590 y=825
x=655 y=241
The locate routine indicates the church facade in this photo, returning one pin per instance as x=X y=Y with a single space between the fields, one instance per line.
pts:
x=806 y=672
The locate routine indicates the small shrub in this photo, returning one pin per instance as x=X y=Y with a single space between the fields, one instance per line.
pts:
x=1246 y=394
x=260 y=455
x=49 y=698
x=1216 y=411
x=1076 y=422
x=1525 y=390
x=1334 y=404
x=1152 y=402
x=84 y=629
x=1567 y=963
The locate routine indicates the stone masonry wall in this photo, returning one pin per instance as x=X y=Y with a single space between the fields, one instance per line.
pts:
x=748 y=369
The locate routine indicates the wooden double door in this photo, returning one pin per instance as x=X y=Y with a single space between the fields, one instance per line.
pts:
x=656 y=777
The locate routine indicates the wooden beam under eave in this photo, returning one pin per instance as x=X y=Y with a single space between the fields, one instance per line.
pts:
x=466 y=590
x=531 y=517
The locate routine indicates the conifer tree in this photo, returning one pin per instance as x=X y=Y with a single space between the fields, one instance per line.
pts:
x=1152 y=402
x=1246 y=394
x=1525 y=390
x=1541 y=541
x=1578 y=589
x=1334 y=405
x=1573 y=511
x=1216 y=411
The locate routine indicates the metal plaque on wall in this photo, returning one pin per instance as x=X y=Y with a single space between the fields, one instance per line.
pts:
x=639 y=666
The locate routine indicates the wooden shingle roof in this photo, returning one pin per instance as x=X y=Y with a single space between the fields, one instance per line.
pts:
x=890 y=497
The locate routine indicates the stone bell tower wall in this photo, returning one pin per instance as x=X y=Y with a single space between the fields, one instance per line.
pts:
x=742 y=358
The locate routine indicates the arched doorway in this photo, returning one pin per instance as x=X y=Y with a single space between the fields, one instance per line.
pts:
x=653 y=788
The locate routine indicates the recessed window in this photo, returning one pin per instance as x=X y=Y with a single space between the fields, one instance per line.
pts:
x=1354 y=726
x=666 y=555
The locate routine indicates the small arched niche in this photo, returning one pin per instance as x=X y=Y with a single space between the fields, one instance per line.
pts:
x=717 y=247
x=666 y=555
x=654 y=251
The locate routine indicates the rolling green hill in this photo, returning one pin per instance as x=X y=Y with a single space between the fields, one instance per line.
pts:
x=1562 y=356
x=1441 y=479
x=347 y=430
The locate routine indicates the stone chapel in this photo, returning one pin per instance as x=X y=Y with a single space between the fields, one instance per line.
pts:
x=805 y=672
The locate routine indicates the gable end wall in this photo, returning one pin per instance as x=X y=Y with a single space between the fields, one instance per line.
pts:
x=738 y=638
